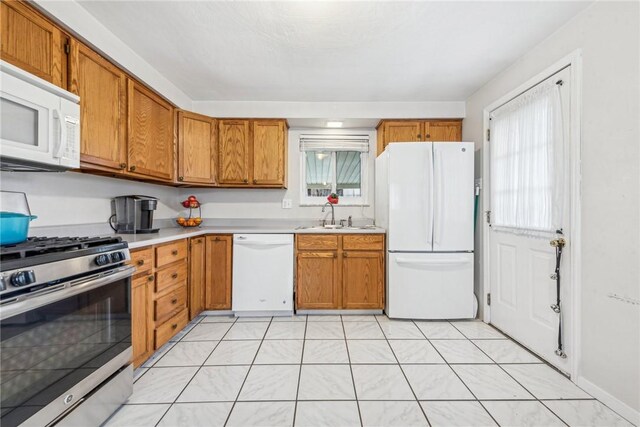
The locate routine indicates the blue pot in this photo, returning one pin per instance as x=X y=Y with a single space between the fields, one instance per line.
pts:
x=14 y=227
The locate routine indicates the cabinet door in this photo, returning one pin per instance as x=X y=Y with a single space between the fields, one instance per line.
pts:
x=196 y=145
x=402 y=131
x=445 y=130
x=233 y=152
x=102 y=88
x=197 y=275
x=150 y=134
x=269 y=152
x=141 y=331
x=31 y=42
x=362 y=278
x=317 y=281
x=218 y=273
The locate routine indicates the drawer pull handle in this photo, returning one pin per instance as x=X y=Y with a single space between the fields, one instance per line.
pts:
x=174 y=252
x=174 y=326
x=174 y=301
x=140 y=262
x=174 y=276
x=150 y=278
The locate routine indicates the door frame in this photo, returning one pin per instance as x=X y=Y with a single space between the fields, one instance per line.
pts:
x=574 y=60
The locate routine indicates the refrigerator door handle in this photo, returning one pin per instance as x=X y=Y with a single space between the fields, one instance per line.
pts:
x=438 y=208
x=430 y=189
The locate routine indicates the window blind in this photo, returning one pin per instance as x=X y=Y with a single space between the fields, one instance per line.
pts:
x=358 y=143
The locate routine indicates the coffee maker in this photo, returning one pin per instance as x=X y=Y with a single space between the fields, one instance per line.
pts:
x=133 y=214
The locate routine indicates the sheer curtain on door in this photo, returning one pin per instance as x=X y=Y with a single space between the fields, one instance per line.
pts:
x=526 y=155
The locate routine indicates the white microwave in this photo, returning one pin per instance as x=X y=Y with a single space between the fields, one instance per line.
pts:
x=39 y=123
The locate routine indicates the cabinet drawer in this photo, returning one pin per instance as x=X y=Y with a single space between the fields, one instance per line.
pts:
x=171 y=252
x=164 y=332
x=170 y=275
x=365 y=242
x=142 y=260
x=171 y=303
x=317 y=242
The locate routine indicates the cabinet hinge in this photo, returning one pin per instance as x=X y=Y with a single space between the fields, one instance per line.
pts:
x=67 y=48
x=489 y=299
x=488 y=134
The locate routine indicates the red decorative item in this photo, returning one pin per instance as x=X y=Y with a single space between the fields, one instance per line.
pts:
x=333 y=198
x=191 y=203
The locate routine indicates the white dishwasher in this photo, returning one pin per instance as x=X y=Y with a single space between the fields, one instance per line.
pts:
x=262 y=275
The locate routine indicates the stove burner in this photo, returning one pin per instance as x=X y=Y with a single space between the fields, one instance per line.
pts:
x=36 y=246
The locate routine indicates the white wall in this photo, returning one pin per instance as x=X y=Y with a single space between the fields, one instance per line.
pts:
x=608 y=35
x=75 y=198
x=256 y=203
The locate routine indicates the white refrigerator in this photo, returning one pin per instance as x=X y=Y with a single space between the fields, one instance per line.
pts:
x=425 y=200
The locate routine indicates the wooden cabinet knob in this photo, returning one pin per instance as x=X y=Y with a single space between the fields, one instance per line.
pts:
x=174 y=276
x=217 y=239
x=174 y=326
x=181 y=178
x=174 y=301
x=428 y=136
x=174 y=252
x=344 y=255
x=123 y=165
x=255 y=181
x=150 y=278
x=140 y=262
x=245 y=180
x=419 y=136
x=335 y=255
x=132 y=168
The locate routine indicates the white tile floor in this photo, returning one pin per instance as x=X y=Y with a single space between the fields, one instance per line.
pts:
x=351 y=371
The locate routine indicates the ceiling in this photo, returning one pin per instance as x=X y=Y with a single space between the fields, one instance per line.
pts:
x=316 y=51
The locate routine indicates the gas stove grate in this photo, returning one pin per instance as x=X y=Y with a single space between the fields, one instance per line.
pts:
x=36 y=246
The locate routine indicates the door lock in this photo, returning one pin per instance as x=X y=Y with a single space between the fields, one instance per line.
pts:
x=558 y=243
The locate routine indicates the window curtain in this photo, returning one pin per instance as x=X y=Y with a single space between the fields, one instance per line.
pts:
x=527 y=162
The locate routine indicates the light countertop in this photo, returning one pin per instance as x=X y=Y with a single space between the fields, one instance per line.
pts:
x=165 y=235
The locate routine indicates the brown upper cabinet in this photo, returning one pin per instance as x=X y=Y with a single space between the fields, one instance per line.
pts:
x=418 y=130
x=32 y=42
x=252 y=153
x=102 y=88
x=150 y=145
x=196 y=148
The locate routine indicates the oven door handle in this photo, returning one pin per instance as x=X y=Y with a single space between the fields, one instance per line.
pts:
x=62 y=291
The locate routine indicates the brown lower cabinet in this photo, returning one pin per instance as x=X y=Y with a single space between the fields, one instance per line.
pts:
x=141 y=310
x=339 y=271
x=217 y=293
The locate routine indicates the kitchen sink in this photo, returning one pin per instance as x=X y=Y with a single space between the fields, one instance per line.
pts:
x=335 y=227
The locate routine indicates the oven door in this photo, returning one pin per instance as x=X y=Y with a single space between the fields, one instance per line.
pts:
x=59 y=346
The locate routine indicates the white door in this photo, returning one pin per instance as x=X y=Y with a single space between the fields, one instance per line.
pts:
x=430 y=286
x=521 y=259
x=410 y=197
x=453 y=185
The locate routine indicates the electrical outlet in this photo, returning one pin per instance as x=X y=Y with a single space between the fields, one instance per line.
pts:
x=286 y=203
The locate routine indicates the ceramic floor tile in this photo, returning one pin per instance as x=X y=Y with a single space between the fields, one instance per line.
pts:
x=183 y=332
x=218 y=319
x=327 y=414
x=254 y=319
x=476 y=329
x=363 y=330
x=370 y=351
x=506 y=351
x=457 y=414
x=395 y=330
x=262 y=414
x=294 y=318
x=521 y=413
x=326 y=382
x=324 y=330
x=323 y=318
x=187 y=354
x=586 y=413
x=234 y=353
x=137 y=416
x=207 y=332
x=247 y=331
x=215 y=384
x=436 y=382
x=158 y=354
x=358 y=318
x=138 y=372
x=286 y=331
x=381 y=382
x=161 y=385
x=415 y=351
x=491 y=382
x=196 y=414
x=271 y=382
x=325 y=351
x=439 y=330
x=545 y=382
x=460 y=351
x=279 y=352
x=391 y=414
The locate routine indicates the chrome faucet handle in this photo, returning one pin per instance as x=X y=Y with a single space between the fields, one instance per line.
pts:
x=323 y=222
x=342 y=221
x=350 y=221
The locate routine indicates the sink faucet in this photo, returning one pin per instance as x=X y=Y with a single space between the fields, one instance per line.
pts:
x=333 y=214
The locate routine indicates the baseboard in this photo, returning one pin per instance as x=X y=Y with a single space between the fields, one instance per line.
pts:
x=632 y=415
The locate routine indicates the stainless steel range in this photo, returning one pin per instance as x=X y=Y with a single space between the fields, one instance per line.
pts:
x=65 y=319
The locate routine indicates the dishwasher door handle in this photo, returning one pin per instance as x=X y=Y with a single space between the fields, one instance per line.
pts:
x=260 y=243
